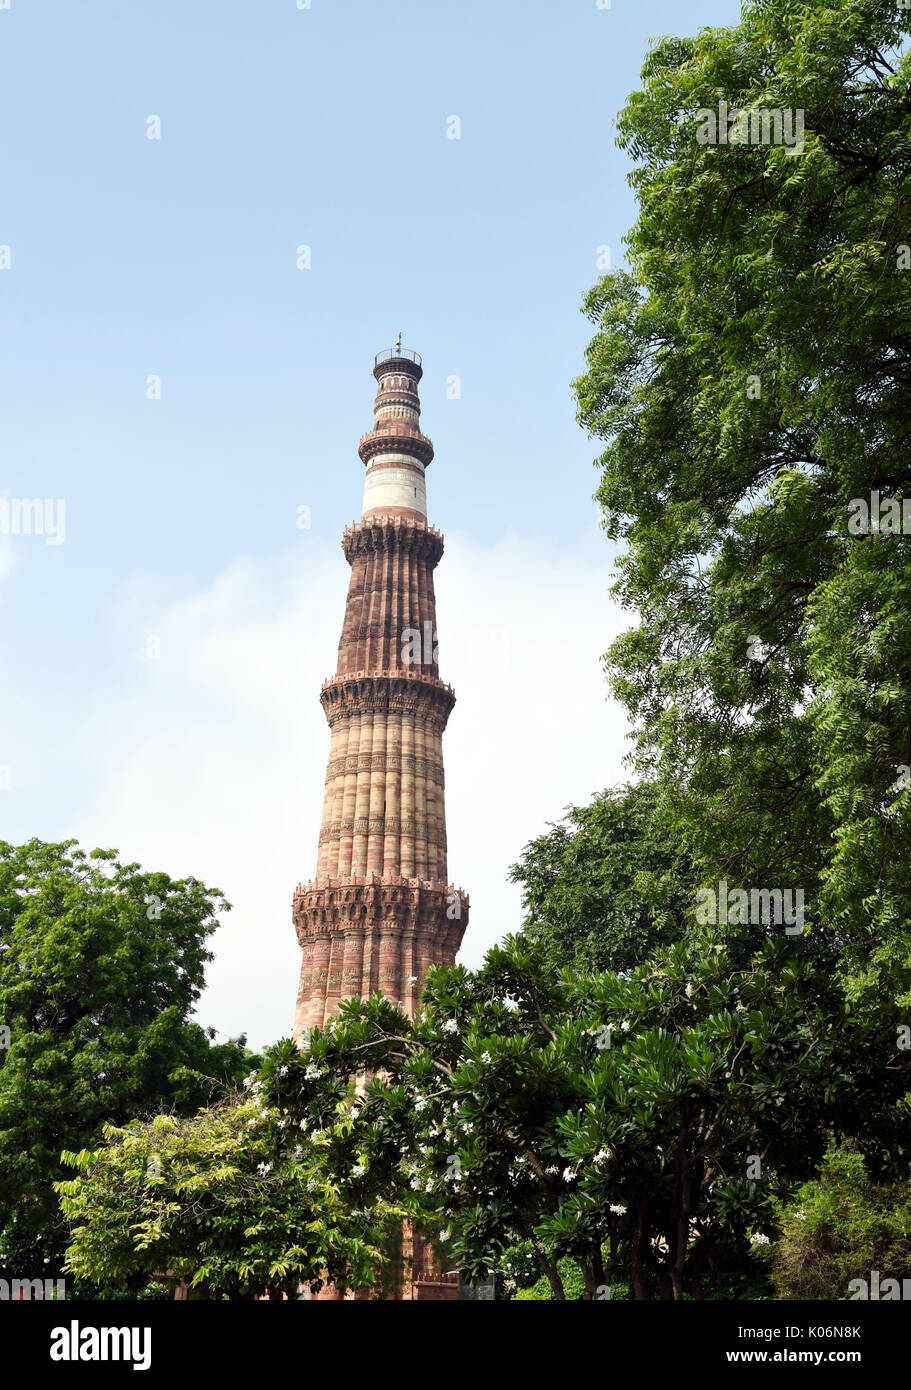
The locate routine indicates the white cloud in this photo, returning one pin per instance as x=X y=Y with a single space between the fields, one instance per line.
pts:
x=211 y=761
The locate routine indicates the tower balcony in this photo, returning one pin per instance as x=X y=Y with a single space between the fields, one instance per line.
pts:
x=397 y=354
x=387 y=692
x=315 y=885
x=379 y=532
x=395 y=437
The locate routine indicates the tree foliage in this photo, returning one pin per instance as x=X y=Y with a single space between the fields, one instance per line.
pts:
x=839 y=1227
x=607 y=884
x=643 y=1123
x=751 y=377
x=229 y=1202
x=100 y=966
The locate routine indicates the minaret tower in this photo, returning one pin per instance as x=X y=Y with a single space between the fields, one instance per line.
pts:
x=380 y=909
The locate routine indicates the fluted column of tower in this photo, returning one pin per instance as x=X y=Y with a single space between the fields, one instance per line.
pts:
x=380 y=909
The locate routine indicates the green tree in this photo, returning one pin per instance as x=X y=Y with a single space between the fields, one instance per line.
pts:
x=228 y=1202
x=751 y=379
x=641 y=1123
x=607 y=884
x=100 y=967
x=841 y=1226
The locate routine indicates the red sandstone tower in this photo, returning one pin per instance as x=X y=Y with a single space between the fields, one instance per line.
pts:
x=380 y=909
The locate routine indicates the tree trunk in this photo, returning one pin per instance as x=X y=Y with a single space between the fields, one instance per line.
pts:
x=553 y=1274
x=681 y=1205
x=592 y=1271
x=640 y=1251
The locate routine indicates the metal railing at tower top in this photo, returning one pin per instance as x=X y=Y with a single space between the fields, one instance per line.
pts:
x=397 y=352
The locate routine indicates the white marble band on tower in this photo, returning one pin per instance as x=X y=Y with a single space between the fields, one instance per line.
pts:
x=395 y=480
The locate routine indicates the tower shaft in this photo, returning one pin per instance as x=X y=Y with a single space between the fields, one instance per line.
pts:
x=380 y=909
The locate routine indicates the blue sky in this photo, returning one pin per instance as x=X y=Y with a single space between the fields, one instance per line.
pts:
x=177 y=257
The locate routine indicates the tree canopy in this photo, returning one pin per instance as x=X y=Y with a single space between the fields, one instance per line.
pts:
x=838 y=1228
x=228 y=1202
x=751 y=377
x=608 y=883
x=100 y=967
x=641 y=1124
